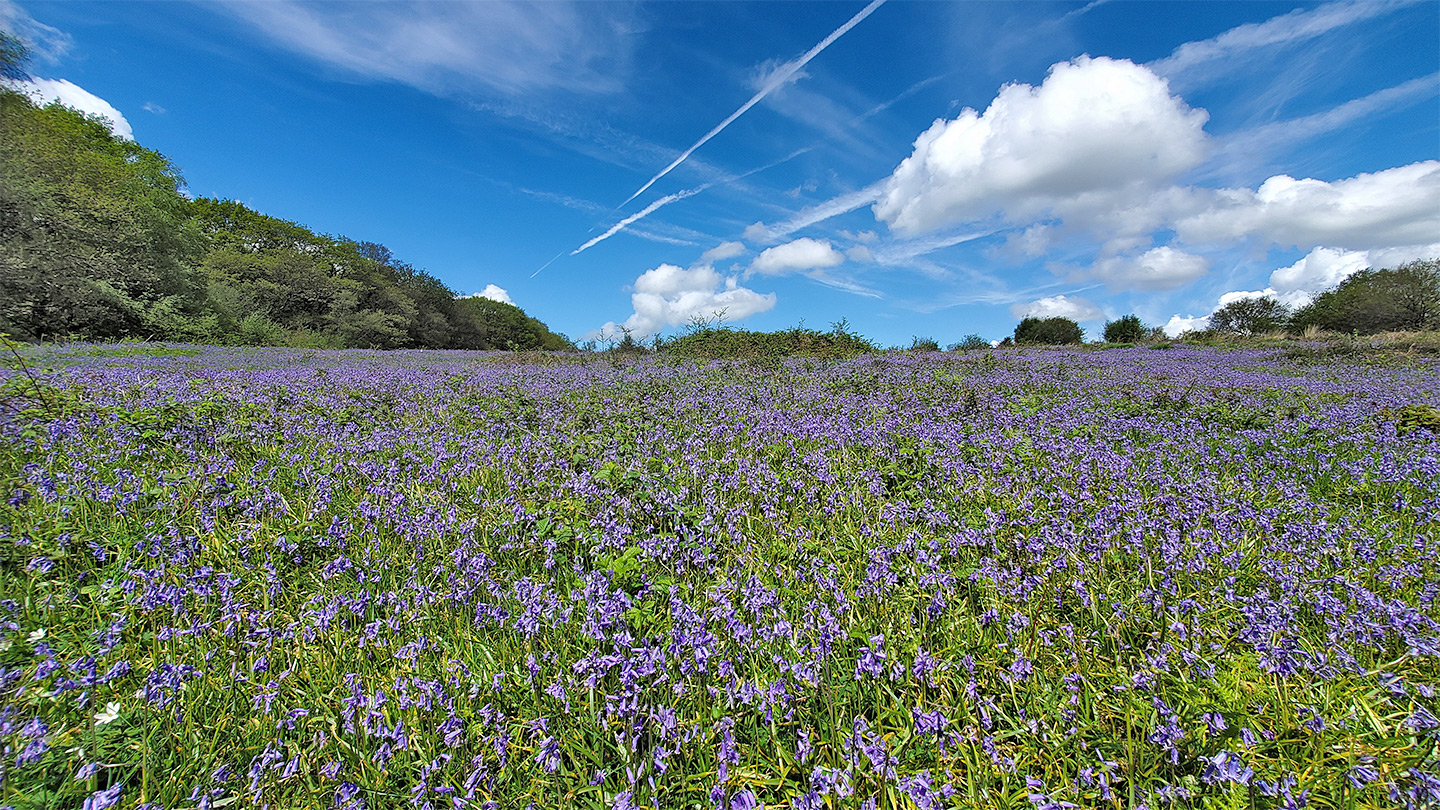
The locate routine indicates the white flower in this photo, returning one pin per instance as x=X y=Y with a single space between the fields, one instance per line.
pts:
x=110 y=715
x=36 y=636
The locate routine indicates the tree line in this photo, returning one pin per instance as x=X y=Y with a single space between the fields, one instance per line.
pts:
x=98 y=241
x=1401 y=299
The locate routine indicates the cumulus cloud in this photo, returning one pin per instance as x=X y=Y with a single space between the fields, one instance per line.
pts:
x=1058 y=306
x=1399 y=206
x=668 y=296
x=512 y=48
x=1161 y=268
x=1094 y=124
x=798 y=256
x=1180 y=324
x=495 y=293
x=721 y=252
x=45 y=91
x=860 y=253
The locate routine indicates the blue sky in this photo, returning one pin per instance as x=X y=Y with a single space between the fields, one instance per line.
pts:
x=918 y=168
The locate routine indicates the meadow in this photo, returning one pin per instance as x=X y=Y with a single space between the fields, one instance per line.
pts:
x=1037 y=578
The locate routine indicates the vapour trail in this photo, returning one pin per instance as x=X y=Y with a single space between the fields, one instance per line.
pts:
x=641 y=214
x=777 y=79
x=680 y=195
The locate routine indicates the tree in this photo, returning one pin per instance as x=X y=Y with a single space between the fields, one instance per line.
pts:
x=1406 y=298
x=1128 y=329
x=13 y=58
x=1251 y=316
x=1048 y=331
x=95 y=237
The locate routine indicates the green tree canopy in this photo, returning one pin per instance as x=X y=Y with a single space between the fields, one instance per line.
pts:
x=1250 y=316
x=1406 y=298
x=1128 y=329
x=1048 y=331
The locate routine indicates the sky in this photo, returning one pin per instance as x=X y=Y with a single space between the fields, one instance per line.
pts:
x=917 y=169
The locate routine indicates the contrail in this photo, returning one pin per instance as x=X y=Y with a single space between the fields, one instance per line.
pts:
x=776 y=80
x=642 y=213
x=680 y=195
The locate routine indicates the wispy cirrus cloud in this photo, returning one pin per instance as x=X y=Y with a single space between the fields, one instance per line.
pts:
x=44 y=41
x=1298 y=26
x=504 y=47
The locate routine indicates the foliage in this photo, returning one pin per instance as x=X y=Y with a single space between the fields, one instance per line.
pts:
x=1048 y=331
x=714 y=342
x=1127 y=329
x=98 y=242
x=95 y=239
x=307 y=579
x=1406 y=298
x=1257 y=315
x=970 y=343
x=924 y=344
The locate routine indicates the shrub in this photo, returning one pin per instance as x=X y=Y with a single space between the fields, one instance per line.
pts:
x=710 y=343
x=970 y=343
x=1250 y=316
x=1128 y=329
x=1404 y=299
x=1048 y=331
x=924 y=344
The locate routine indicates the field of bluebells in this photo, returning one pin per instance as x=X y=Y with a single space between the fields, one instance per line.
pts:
x=1013 y=579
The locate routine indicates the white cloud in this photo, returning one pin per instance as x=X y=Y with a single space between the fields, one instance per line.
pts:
x=152 y=107
x=1094 y=124
x=1399 y=206
x=495 y=293
x=512 y=48
x=1280 y=134
x=721 y=252
x=797 y=256
x=860 y=253
x=843 y=204
x=1297 y=26
x=1161 y=268
x=1059 y=306
x=668 y=296
x=44 y=91
x=1321 y=269
x=1180 y=324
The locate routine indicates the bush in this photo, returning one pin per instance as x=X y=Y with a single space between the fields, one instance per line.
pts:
x=971 y=343
x=1048 y=331
x=1128 y=329
x=1250 y=316
x=1404 y=299
x=711 y=342
x=924 y=344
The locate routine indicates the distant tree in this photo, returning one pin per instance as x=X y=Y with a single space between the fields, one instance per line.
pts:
x=1049 y=331
x=924 y=344
x=970 y=343
x=1406 y=298
x=1250 y=316
x=1127 y=329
